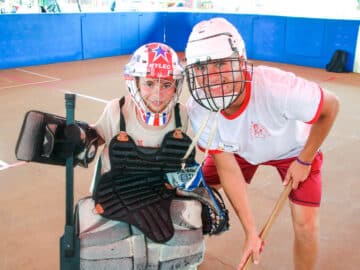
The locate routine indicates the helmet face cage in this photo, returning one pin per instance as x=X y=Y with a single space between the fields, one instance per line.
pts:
x=159 y=62
x=229 y=83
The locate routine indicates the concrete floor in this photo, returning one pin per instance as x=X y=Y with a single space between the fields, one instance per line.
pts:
x=32 y=198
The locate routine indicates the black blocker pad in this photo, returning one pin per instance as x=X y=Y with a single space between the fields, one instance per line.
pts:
x=42 y=139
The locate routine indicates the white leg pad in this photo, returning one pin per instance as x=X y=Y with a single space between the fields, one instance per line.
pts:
x=113 y=245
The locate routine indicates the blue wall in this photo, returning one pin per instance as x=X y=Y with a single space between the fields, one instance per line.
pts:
x=33 y=39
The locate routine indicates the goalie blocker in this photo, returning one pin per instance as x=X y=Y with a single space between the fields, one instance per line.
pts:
x=45 y=138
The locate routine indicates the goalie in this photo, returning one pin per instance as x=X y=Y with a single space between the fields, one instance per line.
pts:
x=135 y=219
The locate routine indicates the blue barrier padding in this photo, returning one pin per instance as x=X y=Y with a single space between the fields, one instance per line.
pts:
x=101 y=34
x=177 y=28
x=109 y=34
x=151 y=28
x=268 y=38
x=302 y=37
x=32 y=39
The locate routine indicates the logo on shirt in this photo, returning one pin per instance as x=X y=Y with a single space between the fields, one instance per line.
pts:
x=228 y=147
x=258 y=131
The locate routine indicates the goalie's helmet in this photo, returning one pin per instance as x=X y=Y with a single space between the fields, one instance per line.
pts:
x=159 y=62
x=216 y=43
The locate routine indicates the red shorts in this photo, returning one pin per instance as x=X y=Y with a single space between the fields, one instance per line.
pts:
x=308 y=193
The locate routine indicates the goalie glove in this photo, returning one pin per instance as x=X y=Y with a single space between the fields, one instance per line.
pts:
x=45 y=138
x=189 y=182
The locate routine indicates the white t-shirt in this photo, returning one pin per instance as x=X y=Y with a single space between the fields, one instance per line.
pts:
x=108 y=126
x=273 y=122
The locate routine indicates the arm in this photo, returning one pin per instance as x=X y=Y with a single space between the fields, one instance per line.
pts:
x=319 y=130
x=234 y=186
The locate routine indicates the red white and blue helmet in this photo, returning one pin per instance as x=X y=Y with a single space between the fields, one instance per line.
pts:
x=156 y=61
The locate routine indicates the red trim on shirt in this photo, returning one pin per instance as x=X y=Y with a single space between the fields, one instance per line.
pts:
x=317 y=115
x=245 y=102
x=211 y=152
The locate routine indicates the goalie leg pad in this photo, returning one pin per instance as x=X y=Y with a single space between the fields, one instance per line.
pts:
x=109 y=244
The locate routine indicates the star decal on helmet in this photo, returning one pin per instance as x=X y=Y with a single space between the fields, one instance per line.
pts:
x=160 y=52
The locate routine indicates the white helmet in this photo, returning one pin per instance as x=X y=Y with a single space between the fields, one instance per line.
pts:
x=157 y=61
x=213 y=43
x=214 y=39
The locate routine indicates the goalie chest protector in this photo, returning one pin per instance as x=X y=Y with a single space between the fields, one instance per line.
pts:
x=134 y=190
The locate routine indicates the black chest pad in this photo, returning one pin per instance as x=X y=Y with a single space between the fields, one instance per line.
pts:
x=134 y=189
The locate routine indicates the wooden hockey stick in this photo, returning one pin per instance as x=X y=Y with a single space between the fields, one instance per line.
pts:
x=271 y=219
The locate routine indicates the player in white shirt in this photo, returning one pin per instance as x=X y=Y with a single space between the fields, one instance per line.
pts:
x=258 y=116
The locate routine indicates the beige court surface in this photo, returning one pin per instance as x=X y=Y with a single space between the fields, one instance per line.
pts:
x=32 y=195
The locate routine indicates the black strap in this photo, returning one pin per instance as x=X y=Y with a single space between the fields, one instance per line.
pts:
x=122 y=119
x=177 y=115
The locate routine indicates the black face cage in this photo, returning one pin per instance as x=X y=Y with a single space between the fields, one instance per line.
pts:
x=200 y=85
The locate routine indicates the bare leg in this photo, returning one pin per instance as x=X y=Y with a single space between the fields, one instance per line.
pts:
x=306 y=242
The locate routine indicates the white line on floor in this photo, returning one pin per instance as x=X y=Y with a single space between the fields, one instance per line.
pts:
x=38 y=74
x=26 y=84
x=4 y=165
x=85 y=96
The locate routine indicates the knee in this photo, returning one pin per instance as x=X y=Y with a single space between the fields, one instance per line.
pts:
x=306 y=230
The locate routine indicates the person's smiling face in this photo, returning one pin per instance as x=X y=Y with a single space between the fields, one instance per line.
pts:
x=156 y=93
